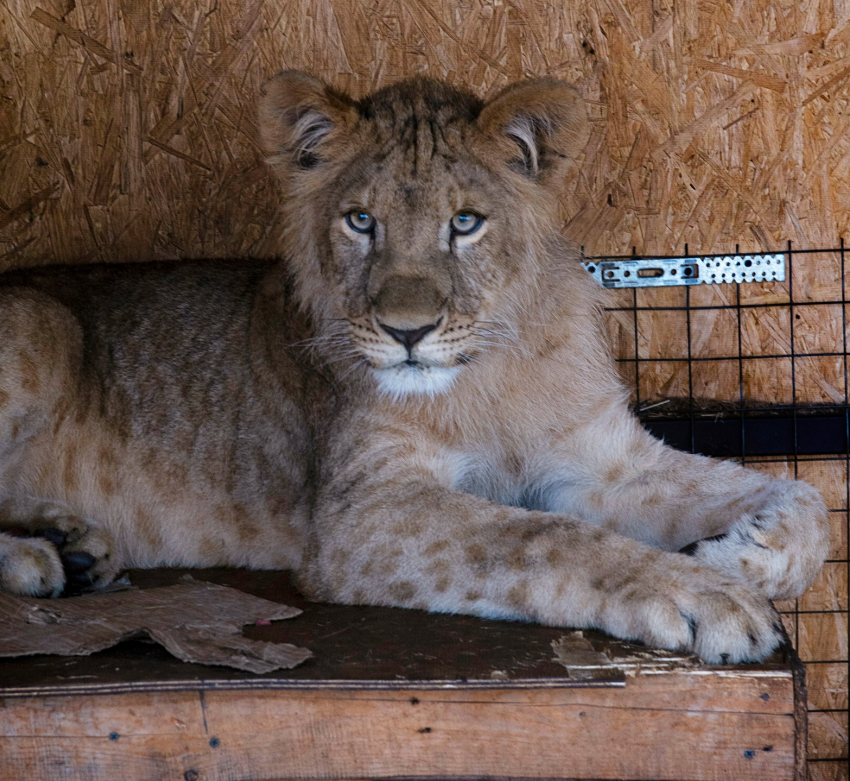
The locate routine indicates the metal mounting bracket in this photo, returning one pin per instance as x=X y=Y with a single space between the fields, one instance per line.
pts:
x=661 y=272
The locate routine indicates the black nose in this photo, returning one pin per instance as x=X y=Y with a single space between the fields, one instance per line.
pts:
x=409 y=337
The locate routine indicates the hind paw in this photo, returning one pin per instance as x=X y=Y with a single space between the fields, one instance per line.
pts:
x=89 y=561
x=57 y=554
x=30 y=567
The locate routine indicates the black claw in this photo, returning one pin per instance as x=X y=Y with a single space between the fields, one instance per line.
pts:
x=690 y=550
x=693 y=625
x=724 y=658
x=81 y=581
x=55 y=537
x=83 y=576
x=752 y=638
x=77 y=562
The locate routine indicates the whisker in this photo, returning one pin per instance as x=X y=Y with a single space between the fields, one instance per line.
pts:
x=361 y=361
x=339 y=358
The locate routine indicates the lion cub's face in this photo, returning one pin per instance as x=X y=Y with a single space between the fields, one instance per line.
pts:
x=423 y=208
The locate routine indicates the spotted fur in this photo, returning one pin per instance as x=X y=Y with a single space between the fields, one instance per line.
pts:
x=282 y=415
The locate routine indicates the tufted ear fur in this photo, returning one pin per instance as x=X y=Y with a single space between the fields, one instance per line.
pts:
x=546 y=121
x=297 y=113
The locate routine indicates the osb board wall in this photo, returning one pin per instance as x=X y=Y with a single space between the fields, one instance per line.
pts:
x=127 y=133
x=127 y=129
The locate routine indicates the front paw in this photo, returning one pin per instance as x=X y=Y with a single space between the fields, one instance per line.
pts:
x=780 y=549
x=683 y=606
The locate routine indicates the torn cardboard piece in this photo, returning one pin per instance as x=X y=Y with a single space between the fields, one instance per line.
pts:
x=195 y=621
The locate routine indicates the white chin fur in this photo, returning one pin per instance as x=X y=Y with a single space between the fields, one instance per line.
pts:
x=402 y=381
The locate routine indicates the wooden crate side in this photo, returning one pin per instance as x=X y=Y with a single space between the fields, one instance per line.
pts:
x=677 y=726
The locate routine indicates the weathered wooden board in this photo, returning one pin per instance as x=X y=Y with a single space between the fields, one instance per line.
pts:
x=394 y=693
x=676 y=726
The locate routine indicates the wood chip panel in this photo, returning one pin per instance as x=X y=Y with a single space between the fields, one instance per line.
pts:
x=127 y=129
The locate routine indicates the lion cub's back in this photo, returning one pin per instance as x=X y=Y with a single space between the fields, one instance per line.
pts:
x=171 y=426
x=165 y=346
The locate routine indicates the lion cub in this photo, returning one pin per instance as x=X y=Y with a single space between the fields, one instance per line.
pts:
x=416 y=407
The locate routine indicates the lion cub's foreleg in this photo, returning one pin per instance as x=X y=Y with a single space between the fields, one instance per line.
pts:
x=768 y=532
x=404 y=539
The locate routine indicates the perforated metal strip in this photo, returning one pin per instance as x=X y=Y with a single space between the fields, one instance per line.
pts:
x=661 y=272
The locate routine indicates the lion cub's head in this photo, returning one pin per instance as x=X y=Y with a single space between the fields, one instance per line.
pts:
x=418 y=218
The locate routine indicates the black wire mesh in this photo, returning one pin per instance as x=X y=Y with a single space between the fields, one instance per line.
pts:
x=807 y=437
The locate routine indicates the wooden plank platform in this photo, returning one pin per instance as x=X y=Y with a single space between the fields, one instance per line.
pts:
x=398 y=693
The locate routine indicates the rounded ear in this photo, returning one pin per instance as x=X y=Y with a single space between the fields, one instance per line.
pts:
x=296 y=114
x=546 y=120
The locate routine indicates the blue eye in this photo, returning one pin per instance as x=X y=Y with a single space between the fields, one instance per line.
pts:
x=360 y=221
x=466 y=223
